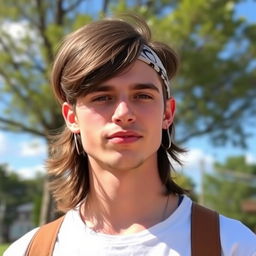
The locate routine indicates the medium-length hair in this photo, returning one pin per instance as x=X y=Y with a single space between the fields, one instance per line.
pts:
x=87 y=57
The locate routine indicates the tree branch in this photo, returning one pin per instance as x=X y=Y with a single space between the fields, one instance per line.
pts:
x=187 y=137
x=42 y=29
x=7 y=50
x=24 y=13
x=105 y=7
x=36 y=64
x=73 y=6
x=14 y=88
x=26 y=100
x=20 y=126
x=225 y=124
x=59 y=12
x=17 y=65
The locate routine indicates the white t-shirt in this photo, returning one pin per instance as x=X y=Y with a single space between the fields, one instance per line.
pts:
x=168 y=238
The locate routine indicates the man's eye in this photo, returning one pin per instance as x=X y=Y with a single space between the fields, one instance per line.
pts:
x=102 y=98
x=143 y=96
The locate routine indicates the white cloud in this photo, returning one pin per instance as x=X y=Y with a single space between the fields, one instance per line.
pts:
x=33 y=148
x=195 y=163
x=30 y=172
x=18 y=31
x=250 y=158
x=196 y=159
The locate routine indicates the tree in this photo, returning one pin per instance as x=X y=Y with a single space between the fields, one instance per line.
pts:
x=214 y=90
x=215 y=87
x=25 y=92
x=187 y=183
x=233 y=182
x=15 y=191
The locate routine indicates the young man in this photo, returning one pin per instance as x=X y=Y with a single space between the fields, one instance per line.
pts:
x=109 y=167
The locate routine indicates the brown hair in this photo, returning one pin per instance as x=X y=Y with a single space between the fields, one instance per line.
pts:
x=88 y=56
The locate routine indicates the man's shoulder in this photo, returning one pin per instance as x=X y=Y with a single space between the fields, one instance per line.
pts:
x=19 y=247
x=235 y=236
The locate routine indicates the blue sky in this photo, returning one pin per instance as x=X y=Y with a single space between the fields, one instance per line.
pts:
x=26 y=154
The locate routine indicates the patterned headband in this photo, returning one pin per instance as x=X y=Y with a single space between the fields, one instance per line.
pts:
x=150 y=57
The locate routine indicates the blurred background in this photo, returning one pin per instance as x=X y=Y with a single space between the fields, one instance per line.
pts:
x=215 y=91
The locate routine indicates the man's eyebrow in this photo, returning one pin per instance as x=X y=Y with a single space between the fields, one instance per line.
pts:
x=101 y=88
x=138 y=86
x=143 y=86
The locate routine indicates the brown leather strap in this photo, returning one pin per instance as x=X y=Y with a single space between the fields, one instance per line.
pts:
x=205 y=238
x=205 y=232
x=44 y=240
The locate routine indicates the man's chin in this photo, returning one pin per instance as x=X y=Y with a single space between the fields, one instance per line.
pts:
x=119 y=163
x=123 y=164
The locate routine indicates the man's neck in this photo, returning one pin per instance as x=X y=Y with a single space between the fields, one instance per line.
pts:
x=126 y=202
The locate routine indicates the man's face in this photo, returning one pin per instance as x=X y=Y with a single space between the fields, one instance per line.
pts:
x=121 y=122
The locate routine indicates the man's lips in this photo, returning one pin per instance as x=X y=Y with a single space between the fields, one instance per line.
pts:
x=124 y=137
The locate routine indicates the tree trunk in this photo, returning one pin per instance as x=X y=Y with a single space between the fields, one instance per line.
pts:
x=47 y=207
x=105 y=7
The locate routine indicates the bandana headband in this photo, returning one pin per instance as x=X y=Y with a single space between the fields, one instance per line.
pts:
x=150 y=57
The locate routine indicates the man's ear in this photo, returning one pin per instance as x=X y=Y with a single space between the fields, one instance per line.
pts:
x=169 y=113
x=70 y=117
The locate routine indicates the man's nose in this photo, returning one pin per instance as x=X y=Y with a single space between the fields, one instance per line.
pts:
x=123 y=113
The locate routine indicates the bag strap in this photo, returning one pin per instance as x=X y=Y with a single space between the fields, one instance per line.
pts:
x=205 y=232
x=43 y=242
x=205 y=235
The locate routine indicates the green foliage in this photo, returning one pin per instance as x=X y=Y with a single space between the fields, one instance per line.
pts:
x=215 y=86
x=3 y=247
x=81 y=20
x=231 y=184
x=187 y=183
x=214 y=89
x=15 y=191
x=34 y=193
